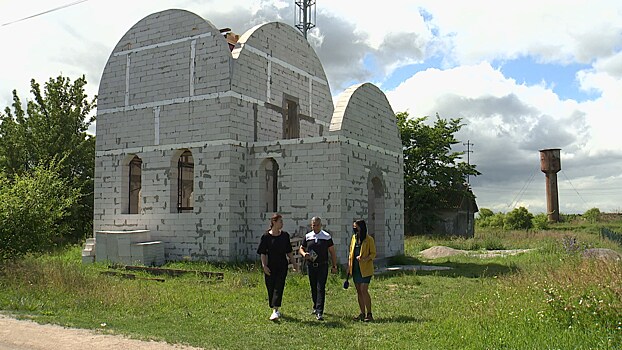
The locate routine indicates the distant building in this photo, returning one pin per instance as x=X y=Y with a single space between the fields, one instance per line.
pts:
x=457 y=216
x=202 y=136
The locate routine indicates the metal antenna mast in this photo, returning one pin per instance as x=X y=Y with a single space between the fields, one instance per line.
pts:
x=305 y=16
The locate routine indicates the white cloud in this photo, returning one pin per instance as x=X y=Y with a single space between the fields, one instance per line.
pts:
x=612 y=65
x=420 y=92
x=377 y=20
x=510 y=122
x=392 y=35
x=507 y=121
x=554 y=31
x=603 y=112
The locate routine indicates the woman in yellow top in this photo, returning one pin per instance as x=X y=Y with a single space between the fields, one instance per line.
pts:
x=361 y=267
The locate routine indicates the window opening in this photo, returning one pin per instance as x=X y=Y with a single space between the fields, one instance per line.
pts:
x=292 y=123
x=185 y=182
x=271 y=188
x=135 y=185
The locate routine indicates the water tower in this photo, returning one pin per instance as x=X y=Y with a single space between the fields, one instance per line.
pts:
x=551 y=164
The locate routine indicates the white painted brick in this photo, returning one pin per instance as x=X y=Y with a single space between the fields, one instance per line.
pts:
x=228 y=217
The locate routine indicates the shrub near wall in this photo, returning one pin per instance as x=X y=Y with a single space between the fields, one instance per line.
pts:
x=32 y=209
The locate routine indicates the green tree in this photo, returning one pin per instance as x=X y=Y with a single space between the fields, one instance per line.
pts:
x=518 y=219
x=487 y=218
x=497 y=220
x=592 y=215
x=485 y=213
x=33 y=210
x=433 y=172
x=54 y=127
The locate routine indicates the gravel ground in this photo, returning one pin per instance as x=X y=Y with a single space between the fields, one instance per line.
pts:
x=28 y=335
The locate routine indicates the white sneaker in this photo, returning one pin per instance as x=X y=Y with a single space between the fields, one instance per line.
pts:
x=275 y=315
x=278 y=313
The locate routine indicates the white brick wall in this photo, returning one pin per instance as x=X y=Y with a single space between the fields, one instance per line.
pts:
x=226 y=108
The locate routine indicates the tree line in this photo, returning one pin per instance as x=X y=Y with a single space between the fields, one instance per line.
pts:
x=47 y=161
x=521 y=219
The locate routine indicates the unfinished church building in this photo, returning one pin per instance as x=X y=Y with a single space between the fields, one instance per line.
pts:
x=201 y=140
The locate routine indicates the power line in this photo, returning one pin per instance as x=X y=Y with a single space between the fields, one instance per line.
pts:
x=482 y=187
x=44 y=12
x=522 y=190
x=571 y=185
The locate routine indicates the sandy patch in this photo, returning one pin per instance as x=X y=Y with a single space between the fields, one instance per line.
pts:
x=381 y=270
x=29 y=335
x=602 y=254
x=443 y=252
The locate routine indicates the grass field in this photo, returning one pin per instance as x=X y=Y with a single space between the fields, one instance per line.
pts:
x=548 y=298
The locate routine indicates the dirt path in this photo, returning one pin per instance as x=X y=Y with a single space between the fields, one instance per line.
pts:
x=28 y=335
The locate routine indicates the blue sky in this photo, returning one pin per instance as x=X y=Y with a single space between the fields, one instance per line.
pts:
x=522 y=76
x=402 y=73
x=561 y=78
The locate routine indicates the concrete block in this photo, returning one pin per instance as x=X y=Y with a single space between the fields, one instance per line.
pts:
x=229 y=182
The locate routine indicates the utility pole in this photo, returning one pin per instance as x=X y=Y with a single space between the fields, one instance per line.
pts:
x=468 y=216
x=305 y=16
x=468 y=151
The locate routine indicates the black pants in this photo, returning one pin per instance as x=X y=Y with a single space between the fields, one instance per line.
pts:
x=275 y=283
x=317 y=279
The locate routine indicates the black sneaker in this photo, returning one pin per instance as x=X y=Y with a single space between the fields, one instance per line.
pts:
x=360 y=317
x=319 y=316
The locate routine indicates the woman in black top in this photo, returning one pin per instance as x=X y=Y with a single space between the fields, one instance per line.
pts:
x=275 y=249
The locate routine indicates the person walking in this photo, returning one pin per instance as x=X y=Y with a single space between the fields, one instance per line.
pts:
x=315 y=248
x=361 y=267
x=275 y=250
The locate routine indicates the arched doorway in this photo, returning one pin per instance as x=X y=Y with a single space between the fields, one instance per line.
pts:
x=376 y=219
x=270 y=185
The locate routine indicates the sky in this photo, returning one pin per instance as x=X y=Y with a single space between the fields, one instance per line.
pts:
x=522 y=76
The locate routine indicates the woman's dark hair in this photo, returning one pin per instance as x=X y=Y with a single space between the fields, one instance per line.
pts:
x=362 y=232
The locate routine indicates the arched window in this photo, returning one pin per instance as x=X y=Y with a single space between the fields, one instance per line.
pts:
x=134 y=185
x=271 y=191
x=185 y=182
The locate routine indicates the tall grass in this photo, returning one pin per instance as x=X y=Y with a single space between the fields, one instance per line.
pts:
x=549 y=298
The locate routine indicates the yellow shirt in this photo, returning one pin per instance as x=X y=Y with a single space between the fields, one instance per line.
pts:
x=368 y=249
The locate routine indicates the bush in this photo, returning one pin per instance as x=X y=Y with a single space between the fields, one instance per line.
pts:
x=518 y=219
x=497 y=220
x=540 y=222
x=487 y=218
x=592 y=215
x=32 y=209
x=485 y=213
